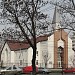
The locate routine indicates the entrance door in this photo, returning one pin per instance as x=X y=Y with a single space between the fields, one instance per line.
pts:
x=59 y=64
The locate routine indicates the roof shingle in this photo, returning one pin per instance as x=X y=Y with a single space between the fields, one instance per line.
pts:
x=15 y=45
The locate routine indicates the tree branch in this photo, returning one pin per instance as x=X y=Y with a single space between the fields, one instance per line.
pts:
x=22 y=29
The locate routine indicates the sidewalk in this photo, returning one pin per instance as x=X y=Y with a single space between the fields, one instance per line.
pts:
x=56 y=70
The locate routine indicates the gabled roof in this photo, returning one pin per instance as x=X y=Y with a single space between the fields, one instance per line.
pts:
x=15 y=45
x=42 y=38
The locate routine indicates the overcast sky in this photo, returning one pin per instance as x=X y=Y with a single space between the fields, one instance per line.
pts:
x=48 y=9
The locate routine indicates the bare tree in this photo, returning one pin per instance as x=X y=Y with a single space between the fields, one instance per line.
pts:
x=72 y=60
x=26 y=16
x=46 y=57
x=12 y=34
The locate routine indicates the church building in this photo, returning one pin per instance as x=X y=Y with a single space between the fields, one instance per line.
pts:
x=53 y=51
x=61 y=43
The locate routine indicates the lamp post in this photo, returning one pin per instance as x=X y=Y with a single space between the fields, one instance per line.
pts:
x=61 y=55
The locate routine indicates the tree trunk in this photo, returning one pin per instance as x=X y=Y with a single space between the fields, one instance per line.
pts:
x=45 y=65
x=33 y=61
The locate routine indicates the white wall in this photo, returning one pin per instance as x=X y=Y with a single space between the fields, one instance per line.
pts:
x=30 y=53
x=14 y=57
x=41 y=46
x=51 y=50
x=21 y=57
x=70 y=52
x=6 y=55
x=43 y=51
x=38 y=57
x=26 y=55
x=61 y=43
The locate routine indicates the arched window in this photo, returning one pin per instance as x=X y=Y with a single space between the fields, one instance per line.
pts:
x=6 y=55
x=59 y=53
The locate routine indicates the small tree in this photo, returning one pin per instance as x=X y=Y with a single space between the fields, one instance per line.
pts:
x=72 y=60
x=46 y=57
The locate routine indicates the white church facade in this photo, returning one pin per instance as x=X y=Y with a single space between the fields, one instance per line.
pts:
x=53 y=51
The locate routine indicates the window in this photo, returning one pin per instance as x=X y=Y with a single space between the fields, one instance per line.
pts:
x=59 y=57
x=14 y=67
x=9 y=68
x=37 y=53
x=5 y=0
x=36 y=62
x=59 y=53
x=20 y=62
x=59 y=64
x=8 y=0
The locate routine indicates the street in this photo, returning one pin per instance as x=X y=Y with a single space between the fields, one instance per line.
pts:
x=46 y=74
x=53 y=74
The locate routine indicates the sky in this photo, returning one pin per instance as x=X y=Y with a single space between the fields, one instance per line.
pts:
x=48 y=9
